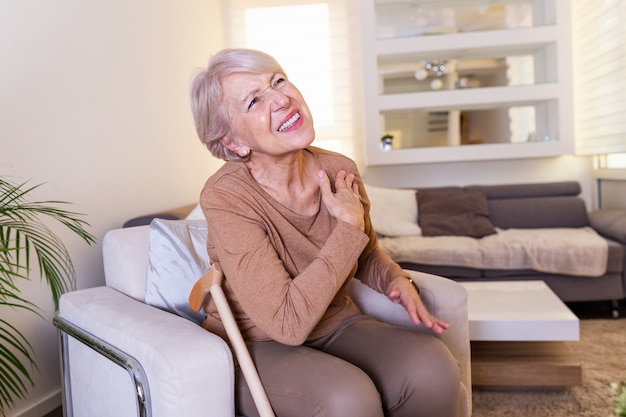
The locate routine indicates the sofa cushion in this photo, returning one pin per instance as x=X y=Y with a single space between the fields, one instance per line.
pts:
x=393 y=211
x=538 y=212
x=434 y=250
x=564 y=251
x=177 y=259
x=573 y=251
x=452 y=213
x=528 y=190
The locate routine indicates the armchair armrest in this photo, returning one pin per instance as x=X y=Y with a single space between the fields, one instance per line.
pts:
x=609 y=223
x=189 y=370
x=444 y=298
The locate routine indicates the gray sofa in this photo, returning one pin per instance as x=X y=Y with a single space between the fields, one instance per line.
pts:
x=540 y=206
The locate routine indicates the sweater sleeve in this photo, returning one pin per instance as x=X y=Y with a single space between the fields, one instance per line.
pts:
x=286 y=306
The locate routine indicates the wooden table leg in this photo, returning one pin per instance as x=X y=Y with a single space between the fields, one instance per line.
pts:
x=525 y=364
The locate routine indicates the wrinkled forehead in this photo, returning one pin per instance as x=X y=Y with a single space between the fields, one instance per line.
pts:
x=239 y=86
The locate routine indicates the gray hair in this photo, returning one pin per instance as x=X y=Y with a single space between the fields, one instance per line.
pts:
x=209 y=110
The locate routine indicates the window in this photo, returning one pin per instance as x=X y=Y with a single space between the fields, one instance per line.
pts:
x=599 y=40
x=616 y=161
x=311 y=40
x=610 y=161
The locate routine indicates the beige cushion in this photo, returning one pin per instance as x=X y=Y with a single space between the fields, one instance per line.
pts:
x=393 y=211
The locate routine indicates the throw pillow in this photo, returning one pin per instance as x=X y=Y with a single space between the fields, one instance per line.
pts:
x=393 y=211
x=454 y=213
x=177 y=259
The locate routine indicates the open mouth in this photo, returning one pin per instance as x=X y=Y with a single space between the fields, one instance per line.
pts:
x=290 y=122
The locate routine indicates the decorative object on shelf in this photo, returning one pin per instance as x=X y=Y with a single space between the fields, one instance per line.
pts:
x=386 y=142
x=24 y=236
x=435 y=70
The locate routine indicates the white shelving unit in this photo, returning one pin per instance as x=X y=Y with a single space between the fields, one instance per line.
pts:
x=398 y=98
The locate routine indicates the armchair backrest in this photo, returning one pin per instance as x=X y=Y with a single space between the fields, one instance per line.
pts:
x=125 y=254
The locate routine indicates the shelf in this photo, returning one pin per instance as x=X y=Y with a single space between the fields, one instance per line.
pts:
x=467 y=44
x=499 y=91
x=469 y=99
x=464 y=153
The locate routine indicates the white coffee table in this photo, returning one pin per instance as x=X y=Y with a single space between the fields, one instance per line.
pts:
x=522 y=334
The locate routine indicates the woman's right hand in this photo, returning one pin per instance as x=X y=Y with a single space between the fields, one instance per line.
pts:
x=345 y=203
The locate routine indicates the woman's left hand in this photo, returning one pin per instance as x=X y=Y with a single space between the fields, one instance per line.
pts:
x=404 y=292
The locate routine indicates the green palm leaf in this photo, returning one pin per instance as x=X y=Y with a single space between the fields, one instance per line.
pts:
x=25 y=241
x=15 y=378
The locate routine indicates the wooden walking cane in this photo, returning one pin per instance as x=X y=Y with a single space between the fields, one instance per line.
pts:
x=211 y=283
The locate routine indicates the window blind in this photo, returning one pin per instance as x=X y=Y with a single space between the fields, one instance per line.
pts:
x=314 y=42
x=599 y=54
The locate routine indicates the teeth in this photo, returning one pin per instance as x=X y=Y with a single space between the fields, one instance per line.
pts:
x=289 y=122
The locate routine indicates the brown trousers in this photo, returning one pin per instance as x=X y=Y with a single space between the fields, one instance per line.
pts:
x=364 y=369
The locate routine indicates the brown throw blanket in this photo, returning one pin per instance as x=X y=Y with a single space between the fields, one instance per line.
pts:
x=568 y=251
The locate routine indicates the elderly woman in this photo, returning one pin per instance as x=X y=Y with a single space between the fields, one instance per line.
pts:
x=289 y=224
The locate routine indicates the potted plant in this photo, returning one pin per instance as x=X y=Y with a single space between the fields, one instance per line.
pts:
x=24 y=240
x=619 y=402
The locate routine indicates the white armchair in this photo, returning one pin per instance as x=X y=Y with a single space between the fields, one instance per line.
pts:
x=123 y=357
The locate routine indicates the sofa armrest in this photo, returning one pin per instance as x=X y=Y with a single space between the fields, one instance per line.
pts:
x=609 y=223
x=189 y=370
x=444 y=298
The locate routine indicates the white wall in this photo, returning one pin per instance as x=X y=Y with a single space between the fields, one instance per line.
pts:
x=94 y=102
x=612 y=193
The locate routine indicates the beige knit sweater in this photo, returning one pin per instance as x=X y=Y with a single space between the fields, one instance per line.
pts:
x=285 y=274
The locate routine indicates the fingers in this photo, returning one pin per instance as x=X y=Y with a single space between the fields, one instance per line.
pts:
x=427 y=319
x=346 y=182
x=344 y=203
x=343 y=181
x=431 y=322
x=417 y=311
x=324 y=183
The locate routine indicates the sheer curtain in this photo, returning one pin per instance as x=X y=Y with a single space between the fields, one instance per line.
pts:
x=317 y=43
x=599 y=41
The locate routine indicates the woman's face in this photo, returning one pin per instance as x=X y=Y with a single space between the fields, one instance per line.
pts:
x=268 y=114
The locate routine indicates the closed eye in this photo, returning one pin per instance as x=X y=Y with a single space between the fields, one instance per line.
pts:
x=279 y=80
x=253 y=102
